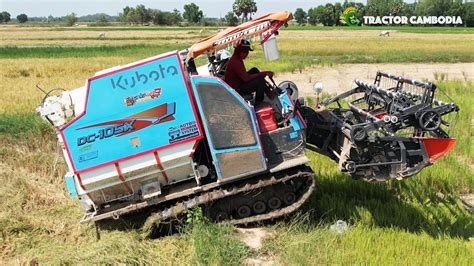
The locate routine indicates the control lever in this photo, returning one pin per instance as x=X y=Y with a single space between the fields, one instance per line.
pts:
x=276 y=88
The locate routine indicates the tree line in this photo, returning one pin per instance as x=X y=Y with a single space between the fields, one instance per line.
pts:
x=243 y=10
x=140 y=15
x=330 y=14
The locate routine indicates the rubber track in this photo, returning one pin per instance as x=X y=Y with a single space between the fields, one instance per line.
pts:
x=220 y=194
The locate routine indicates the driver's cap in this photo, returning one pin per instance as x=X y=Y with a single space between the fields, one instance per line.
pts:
x=244 y=45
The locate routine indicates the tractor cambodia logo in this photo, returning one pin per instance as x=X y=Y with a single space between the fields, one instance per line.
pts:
x=349 y=17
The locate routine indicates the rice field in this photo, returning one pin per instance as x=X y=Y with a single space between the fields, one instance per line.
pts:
x=422 y=220
x=299 y=48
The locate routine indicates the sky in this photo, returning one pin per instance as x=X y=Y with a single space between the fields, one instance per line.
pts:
x=211 y=8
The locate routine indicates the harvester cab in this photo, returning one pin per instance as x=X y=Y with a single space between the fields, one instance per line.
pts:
x=163 y=136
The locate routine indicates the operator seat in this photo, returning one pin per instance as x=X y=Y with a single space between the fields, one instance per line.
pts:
x=218 y=63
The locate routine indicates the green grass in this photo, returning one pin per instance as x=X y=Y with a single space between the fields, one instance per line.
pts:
x=293 y=60
x=304 y=244
x=217 y=245
x=420 y=204
x=339 y=45
x=23 y=126
x=301 y=59
x=39 y=223
x=417 y=221
x=142 y=51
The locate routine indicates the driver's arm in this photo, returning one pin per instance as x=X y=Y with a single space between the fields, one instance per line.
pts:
x=246 y=77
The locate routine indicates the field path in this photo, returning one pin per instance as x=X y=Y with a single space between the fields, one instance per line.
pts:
x=253 y=238
x=339 y=78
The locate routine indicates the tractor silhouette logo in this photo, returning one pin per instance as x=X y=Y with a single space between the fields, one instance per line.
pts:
x=349 y=17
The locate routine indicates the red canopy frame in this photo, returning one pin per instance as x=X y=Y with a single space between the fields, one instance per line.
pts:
x=266 y=25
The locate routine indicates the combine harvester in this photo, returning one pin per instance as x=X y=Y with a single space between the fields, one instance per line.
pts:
x=161 y=136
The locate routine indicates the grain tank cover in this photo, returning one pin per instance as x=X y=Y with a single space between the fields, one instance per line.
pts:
x=130 y=111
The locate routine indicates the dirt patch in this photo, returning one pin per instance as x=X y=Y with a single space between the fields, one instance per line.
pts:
x=340 y=78
x=468 y=201
x=253 y=238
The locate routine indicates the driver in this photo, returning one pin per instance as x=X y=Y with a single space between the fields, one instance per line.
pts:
x=246 y=82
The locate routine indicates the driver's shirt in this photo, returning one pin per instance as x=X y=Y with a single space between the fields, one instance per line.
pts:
x=235 y=73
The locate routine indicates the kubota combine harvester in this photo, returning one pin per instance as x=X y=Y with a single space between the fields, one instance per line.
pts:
x=162 y=135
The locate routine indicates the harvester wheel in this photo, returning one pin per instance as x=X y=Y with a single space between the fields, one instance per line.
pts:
x=274 y=203
x=244 y=211
x=221 y=216
x=350 y=166
x=430 y=120
x=289 y=198
x=291 y=89
x=358 y=134
x=259 y=207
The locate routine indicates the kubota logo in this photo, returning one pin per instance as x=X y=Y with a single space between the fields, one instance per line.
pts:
x=349 y=17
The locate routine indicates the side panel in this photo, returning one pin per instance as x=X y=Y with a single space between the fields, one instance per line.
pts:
x=285 y=146
x=230 y=128
x=132 y=111
x=238 y=162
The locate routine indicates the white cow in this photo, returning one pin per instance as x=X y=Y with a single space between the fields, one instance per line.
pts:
x=101 y=35
x=384 y=33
